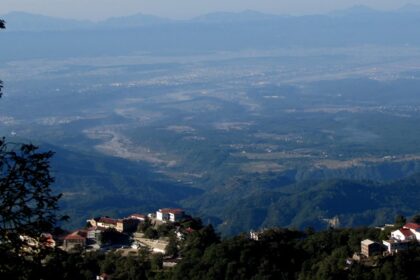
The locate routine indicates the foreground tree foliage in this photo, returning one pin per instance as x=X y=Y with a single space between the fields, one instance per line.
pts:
x=27 y=207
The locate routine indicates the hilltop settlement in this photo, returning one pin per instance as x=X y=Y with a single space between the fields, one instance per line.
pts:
x=129 y=234
x=170 y=244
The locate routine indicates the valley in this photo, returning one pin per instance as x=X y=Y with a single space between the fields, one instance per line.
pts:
x=213 y=130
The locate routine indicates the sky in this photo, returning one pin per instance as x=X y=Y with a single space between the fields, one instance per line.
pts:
x=182 y=9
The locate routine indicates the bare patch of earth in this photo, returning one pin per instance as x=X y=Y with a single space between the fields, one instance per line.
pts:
x=195 y=138
x=262 y=167
x=180 y=129
x=232 y=125
x=116 y=144
x=344 y=164
x=8 y=120
x=273 y=155
x=142 y=117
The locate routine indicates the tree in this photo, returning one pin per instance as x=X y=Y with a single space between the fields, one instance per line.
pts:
x=400 y=220
x=142 y=227
x=151 y=233
x=27 y=207
x=416 y=219
x=156 y=261
x=112 y=236
x=172 y=247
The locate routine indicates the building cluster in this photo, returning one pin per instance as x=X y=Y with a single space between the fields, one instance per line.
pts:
x=256 y=235
x=400 y=239
x=92 y=234
x=97 y=226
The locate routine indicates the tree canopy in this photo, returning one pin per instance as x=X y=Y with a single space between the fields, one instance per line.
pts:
x=27 y=205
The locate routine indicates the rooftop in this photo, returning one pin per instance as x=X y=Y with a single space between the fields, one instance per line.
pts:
x=171 y=211
x=137 y=216
x=406 y=232
x=77 y=235
x=414 y=226
x=367 y=242
x=107 y=220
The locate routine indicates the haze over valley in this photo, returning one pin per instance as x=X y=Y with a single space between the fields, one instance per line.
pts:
x=247 y=120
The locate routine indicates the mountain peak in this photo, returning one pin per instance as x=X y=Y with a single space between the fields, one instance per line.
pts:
x=246 y=15
x=138 y=19
x=410 y=8
x=18 y=21
x=355 y=10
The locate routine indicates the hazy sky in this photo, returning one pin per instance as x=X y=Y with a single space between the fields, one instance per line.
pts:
x=99 y=9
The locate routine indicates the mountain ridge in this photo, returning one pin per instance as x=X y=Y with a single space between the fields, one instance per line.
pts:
x=23 y=21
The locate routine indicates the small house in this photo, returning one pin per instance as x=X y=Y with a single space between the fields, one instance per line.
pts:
x=403 y=234
x=370 y=248
x=74 y=240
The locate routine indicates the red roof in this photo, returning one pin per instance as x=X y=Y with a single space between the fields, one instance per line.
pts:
x=77 y=235
x=412 y=226
x=106 y=220
x=171 y=211
x=406 y=232
x=189 y=230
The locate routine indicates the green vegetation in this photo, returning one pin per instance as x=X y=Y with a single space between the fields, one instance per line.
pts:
x=278 y=254
x=28 y=208
x=111 y=236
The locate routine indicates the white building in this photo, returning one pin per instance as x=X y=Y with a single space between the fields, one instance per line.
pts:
x=414 y=228
x=402 y=238
x=171 y=215
x=394 y=246
x=403 y=234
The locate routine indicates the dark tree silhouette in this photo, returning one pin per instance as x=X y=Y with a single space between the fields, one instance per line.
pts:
x=416 y=219
x=27 y=205
x=27 y=209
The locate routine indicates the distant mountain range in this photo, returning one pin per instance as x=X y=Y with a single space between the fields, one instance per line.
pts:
x=34 y=36
x=21 y=21
x=245 y=16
